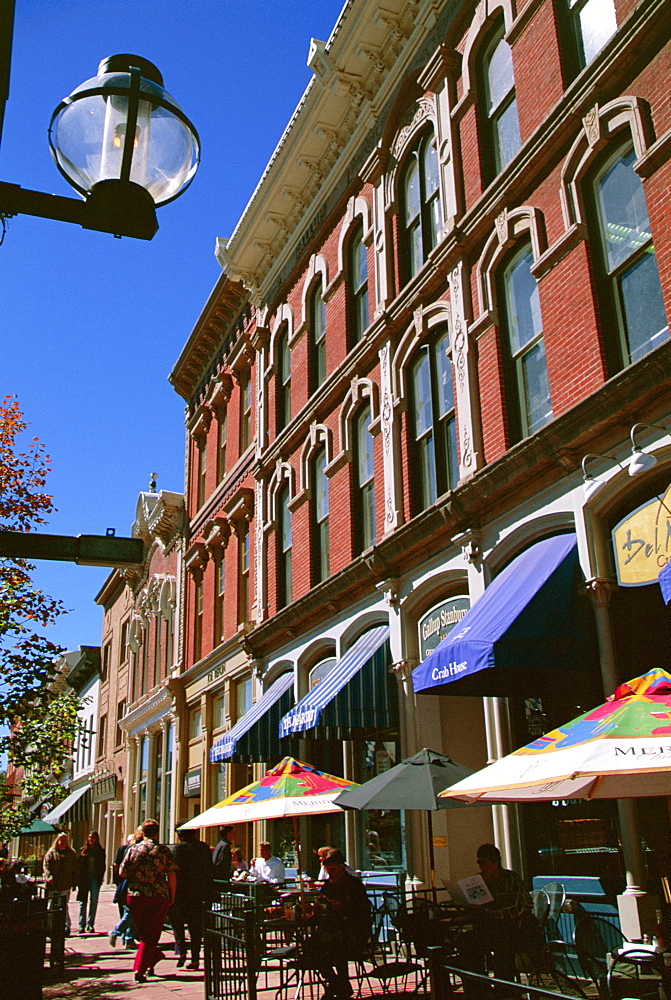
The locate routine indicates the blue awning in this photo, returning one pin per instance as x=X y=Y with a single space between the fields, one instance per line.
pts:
x=528 y=619
x=353 y=695
x=665 y=582
x=240 y=740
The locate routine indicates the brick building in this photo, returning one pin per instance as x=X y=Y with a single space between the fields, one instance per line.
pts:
x=138 y=732
x=445 y=302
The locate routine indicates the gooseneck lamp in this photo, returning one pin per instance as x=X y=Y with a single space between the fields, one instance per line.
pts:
x=124 y=144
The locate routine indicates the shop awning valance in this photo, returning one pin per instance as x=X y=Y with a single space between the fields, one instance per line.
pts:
x=252 y=737
x=530 y=619
x=355 y=694
x=59 y=811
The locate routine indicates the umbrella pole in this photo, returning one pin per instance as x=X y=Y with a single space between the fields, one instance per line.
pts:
x=301 y=888
x=432 y=860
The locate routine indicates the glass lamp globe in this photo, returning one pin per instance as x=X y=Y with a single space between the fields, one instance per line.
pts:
x=122 y=126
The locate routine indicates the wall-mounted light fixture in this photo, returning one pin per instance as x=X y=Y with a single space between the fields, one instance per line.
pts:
x=641 y=461
x=591 y=485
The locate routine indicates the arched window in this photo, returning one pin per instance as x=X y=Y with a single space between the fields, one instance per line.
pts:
x=317 y=371
x=320 y=518
x=363 y=492
x=528 y=387
x=421 y=205
x=201 y=470
x=244 y=566
x=433 y=427
x=591 y=24
x=245 y=411
x=632 y=296
x=283 y=548
x=502 y=123
x=357 y=286
x=219 y=595
x=283 y=381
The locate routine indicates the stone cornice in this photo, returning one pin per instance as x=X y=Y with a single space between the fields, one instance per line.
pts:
x=149 y=710
x=596 y=424
x=355 y=74
x=219 y=315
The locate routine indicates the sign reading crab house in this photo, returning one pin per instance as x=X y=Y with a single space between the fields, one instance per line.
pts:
x=439 y=622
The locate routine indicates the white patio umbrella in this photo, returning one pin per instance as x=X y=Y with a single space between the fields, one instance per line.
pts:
x=619 y=750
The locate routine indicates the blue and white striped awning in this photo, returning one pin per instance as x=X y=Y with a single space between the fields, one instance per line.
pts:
x=231 y=744
x=365 y=704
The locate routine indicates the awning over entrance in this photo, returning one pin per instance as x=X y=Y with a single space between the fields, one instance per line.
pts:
x=529 y=620
x=253 y=736
x=353 y=695
x=59 y=811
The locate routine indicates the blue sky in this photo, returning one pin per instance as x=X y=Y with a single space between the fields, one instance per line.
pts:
x=91 y=325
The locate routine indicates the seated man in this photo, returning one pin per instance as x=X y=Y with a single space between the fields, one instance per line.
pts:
x=502 y=927
x=267 y=868
x=343 y=929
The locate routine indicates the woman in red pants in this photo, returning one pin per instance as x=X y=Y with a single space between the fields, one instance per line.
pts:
x=152 y=882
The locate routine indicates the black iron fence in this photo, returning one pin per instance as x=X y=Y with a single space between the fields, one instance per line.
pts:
x=230 y=949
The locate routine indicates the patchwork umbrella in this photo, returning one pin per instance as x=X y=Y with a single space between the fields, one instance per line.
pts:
x=412 y=784
x=619 y=750
x=291 y=788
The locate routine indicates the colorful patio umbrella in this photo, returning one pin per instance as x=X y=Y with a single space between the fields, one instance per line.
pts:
x=619 y=750
x=292 y=788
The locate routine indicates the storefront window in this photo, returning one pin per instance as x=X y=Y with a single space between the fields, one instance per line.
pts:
x=167 y=780
x=156 y=805
x=142 y=790
x=382 y=829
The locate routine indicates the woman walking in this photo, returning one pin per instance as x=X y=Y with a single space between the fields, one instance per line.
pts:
x=60 y=869
x=152 y=882
x=91 y=876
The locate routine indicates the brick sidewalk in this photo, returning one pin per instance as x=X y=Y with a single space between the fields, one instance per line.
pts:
x=93 y=968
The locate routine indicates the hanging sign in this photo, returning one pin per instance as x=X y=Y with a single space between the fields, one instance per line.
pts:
x=438 y=622
x=642 y=542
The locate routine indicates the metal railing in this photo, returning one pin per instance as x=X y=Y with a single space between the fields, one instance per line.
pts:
x=230 y=949
x=445 y=980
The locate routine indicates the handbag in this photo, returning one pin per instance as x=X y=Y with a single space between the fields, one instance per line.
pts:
x=121 y=892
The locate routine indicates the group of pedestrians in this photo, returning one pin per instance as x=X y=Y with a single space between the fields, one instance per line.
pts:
x=66 y=870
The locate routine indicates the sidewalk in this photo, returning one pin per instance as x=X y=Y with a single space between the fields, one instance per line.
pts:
x=93 y=968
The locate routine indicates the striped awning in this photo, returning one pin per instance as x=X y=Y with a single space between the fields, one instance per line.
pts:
x=254 y=736
x=356 y=694
x=59 y=811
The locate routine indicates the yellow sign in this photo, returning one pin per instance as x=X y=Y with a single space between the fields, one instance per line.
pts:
x=440 y=841
x=642 y=543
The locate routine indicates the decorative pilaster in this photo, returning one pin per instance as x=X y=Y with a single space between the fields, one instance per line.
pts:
x=468 y=415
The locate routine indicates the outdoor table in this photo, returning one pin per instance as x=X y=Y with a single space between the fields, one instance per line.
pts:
x=636 y=963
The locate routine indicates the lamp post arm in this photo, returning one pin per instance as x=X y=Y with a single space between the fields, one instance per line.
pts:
x=117 y=207
x=15 y=200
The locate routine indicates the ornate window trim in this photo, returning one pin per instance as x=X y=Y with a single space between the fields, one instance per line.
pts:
x=284 y=473
x=320 y=436
x=360 y=390
x=358 y=208
x=600 y=126
x=425 y=323
x=526 y=222
x=485 y=13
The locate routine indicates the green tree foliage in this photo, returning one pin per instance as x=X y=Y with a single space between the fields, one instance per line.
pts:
x=41 y=722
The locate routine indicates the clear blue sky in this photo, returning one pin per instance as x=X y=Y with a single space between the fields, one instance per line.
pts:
x=91 y=325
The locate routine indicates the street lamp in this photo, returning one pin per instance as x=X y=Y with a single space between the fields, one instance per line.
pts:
x=124 y=144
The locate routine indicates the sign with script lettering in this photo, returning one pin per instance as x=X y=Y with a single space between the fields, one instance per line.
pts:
x=642 y=542
x=437 y=623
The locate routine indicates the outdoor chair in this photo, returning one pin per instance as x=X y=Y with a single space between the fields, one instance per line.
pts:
x=594 y=939
x=386 y=959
